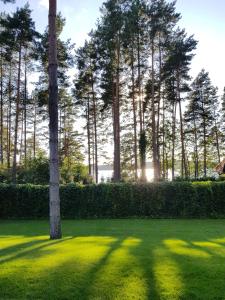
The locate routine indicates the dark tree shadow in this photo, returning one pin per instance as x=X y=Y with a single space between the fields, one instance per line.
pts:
x=18 y=252
x=19 y=247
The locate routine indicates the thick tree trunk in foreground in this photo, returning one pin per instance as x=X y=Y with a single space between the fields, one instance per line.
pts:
x=55 y=223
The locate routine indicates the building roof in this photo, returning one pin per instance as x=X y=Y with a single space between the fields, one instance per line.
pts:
x=220 y=168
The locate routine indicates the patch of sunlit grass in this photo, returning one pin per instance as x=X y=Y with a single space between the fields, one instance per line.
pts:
x=212 y=247
x=168 y=275
x=113 y=259
x=183 y=248
x=121 y=276
x=220 y=241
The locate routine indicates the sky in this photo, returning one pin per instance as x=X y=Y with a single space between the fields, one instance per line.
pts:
x=203 y=18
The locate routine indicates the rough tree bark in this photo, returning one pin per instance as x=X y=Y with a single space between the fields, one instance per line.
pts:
x=55 y=222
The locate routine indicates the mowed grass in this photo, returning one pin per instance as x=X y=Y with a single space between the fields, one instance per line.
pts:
x=113 y=259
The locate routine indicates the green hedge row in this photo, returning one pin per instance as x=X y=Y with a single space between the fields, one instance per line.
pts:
x=155 y=200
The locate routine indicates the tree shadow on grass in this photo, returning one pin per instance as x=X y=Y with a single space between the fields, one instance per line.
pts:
x=125 y=272
x=110 y=279
x=27 y=249
x=107 y=276
x=73 y=278
x=11 y=249
x=145 y=256
x=115 y=266
x=18 y=269
x=201 y=268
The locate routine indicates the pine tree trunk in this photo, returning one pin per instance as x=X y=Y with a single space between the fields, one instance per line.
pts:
x=95 y=131
x=139 y=85
x=141 y=115
x=117 y=170
x=1 y=112
x=88 y=136
x=59 y=129
x=158 y=107
x=163 y=137
x=205 y=150
x=154 y=141
x=217 y=143
x=174 y=138
x=7 y=136
x=17 y=118
x=25 y=114
x=55 y=223
x=21 y=137
x=93 y=152
x=183 y=157
x=34 y=129
x=196 y=150
x=183 y=154
x=188 y=168
x=63 y=143
x=9 y=118
x=167 y=166
x=134 y=119
x=204 y=136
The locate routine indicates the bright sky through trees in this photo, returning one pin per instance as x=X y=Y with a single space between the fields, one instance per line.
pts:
x=148 y=117
x=203 y=18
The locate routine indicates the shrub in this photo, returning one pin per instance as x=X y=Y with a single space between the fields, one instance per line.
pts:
x=155 y=200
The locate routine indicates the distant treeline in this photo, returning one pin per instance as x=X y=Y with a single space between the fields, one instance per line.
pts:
x=132 y=88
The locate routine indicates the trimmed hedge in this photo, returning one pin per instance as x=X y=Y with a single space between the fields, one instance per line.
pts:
x=155 y=200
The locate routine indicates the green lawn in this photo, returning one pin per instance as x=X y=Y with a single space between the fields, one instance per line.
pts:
x=113 y=259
